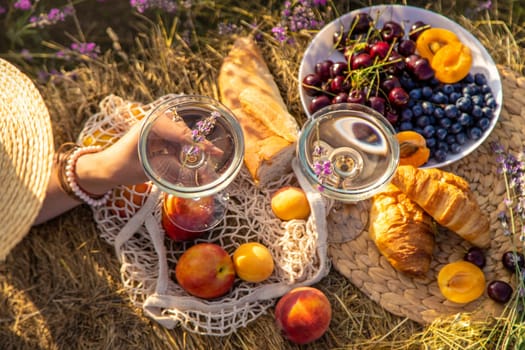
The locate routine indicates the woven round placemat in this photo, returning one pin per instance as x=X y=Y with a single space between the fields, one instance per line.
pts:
x=419 y=298
x=26 y=154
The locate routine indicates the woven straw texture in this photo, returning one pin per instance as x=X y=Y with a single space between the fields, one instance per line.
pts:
x=419 y=298
x=131 y=222
x=26 y=154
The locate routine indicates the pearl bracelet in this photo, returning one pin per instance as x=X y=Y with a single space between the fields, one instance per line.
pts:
x=72 y=181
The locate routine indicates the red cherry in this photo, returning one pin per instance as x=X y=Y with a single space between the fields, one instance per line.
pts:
x=361 y=60
x=379 y=49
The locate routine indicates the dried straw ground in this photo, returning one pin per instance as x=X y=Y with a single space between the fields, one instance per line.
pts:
x=60 y=288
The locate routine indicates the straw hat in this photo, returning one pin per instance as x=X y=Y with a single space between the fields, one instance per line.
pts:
x=26 y=155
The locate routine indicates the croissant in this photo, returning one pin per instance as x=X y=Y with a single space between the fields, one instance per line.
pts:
x=402 y=231
x=448 y=199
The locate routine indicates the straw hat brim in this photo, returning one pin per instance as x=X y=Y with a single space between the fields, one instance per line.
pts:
x=26 y=155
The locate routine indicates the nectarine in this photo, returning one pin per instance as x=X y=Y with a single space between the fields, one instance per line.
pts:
x=303 y=314
x=205 y=270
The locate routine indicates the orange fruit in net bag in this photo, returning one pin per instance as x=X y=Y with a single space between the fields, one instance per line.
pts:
x=129 y=199
x=253 y=262
x=290 y=203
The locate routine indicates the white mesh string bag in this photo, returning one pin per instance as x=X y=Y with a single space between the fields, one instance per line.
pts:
x=131 y=222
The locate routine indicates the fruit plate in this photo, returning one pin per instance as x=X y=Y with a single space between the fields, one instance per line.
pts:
x=322 y=48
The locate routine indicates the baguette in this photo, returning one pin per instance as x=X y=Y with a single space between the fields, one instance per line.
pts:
x=402 y=231
x=248 y=88
x=448 y=199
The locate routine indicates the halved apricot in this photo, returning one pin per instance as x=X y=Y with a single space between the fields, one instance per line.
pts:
x=413 y=148
x=452 y=63
x=432 y=40
x=461 y=282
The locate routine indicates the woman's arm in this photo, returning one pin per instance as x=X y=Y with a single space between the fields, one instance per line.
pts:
x=96 y=173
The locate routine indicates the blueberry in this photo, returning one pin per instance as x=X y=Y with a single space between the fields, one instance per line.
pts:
x=478 y=100
x=484 y=123
x=470 y=90
x=468 y=79
x=429 y=131
x=440 y=155
x=480 y=79
x=464 y=104
x=451 y=111
x=450 y=139
x=443 y=146
x=461 y=138
x=477 y=112
x=406 y=115
x=448 y=89
x=445 y=123
x=474 y=133
x=406 y=126
x=415 y=94
x=440 y=98
x=465 y=119
x=426 y=91
x=485 y=88
x=439 y=112
x=491 y=103
x=423 y=121
x=431 y=142
x=428 y=107
x=487 y=112
x=453 y=97
x=455 y=148
x=488 y=95
x=455 y=128
x=441 y=133
x=417 y=110
x=418 y=130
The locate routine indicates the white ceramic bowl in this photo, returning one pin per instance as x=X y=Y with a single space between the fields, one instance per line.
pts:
x=322 y=48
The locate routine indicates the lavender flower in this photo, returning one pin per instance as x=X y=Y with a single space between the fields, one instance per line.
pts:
x=198 y=134
x=321 y=167
x=89 y=49
x=142 y=5
x=297 y=16
x=24 y=5
x=54 y=16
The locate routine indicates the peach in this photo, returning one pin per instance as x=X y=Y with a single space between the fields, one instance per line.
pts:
x=461 y=282
x=303 y=314
x=290 y=203
x=185 y=219
x=205 y=270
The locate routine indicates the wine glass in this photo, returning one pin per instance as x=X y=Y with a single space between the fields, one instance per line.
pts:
x=348 y=152
x=192 y=148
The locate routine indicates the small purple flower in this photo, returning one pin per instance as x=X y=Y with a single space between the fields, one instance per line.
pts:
x=24 y=5
x=141 y=6
x=297 y=16
x=202 y=129
x=54 y=16
x=2 y=10
x=89 y=49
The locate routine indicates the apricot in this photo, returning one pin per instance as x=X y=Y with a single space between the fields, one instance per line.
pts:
x=303 y=314
x=290 y=203
x=413 y=148
x=253 y=262
x=100 y=138
x=461 y=282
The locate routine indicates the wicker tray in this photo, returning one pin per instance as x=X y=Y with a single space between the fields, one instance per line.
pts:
x=419 y=298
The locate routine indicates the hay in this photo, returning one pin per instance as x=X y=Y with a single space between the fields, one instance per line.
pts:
x=60 y=288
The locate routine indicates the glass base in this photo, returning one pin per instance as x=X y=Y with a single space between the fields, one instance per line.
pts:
x=346 y=221
x=195 y=214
